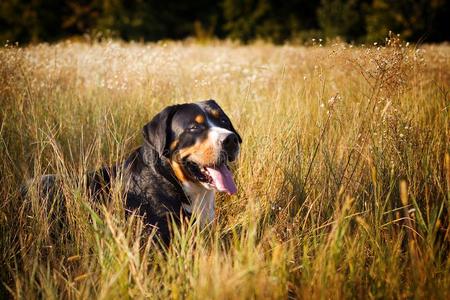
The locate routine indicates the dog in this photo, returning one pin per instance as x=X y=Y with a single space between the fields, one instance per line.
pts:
x=182 y=162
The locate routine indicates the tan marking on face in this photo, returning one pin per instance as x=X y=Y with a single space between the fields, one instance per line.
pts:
x=215 y=113
x=200 y=119
x=178 y=170
x=202 y=153
x=173 y=145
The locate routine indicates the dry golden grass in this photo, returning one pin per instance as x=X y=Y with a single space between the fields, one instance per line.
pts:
x=344 y=174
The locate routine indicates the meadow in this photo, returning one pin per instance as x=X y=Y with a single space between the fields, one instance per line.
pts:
x=343 y=177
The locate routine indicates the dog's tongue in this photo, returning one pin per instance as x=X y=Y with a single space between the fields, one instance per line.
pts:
x=223 y=179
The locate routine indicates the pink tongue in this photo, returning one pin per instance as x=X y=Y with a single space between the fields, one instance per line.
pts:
x=223 y=179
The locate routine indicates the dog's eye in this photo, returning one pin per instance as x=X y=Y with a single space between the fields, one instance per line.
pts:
x=195 y=127
x=223 y=121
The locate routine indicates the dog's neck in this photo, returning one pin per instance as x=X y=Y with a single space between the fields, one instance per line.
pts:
x=202 y=202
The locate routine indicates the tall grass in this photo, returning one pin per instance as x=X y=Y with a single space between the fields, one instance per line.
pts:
x=344 y=173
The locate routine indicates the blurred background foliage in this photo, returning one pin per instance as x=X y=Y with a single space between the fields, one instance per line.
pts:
x=245 y=20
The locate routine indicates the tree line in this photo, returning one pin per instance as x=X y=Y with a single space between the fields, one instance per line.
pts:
x=277 y=21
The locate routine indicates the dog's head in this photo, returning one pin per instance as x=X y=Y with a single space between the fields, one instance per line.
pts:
x=199 y=140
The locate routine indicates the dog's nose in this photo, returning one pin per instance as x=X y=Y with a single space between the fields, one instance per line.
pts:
x=230 y=143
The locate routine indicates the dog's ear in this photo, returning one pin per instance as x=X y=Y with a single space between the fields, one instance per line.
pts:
x=157 y=132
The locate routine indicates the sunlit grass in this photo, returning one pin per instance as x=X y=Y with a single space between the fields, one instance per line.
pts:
x=343 y=178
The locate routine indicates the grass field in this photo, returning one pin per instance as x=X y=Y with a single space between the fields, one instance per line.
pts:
x=343 y=178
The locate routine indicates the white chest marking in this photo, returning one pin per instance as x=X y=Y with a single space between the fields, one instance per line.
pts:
x=202 y=200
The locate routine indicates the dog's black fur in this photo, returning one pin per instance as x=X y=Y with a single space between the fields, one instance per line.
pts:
x=151 y=187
